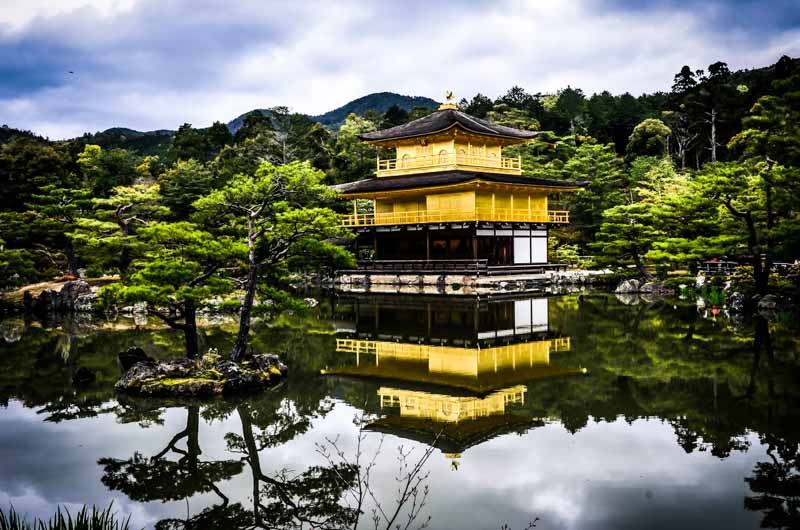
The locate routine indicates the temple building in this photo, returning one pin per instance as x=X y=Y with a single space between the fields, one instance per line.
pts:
x=450 y=202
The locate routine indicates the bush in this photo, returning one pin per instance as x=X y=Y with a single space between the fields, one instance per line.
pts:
x=676 y=281
x=742 y=280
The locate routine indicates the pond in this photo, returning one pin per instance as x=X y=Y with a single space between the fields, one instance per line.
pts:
x=576 y=411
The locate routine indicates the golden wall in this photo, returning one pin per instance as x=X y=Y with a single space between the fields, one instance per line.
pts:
x=465 y=201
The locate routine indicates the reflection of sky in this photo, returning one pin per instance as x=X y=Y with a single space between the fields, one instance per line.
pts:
x=608 y=475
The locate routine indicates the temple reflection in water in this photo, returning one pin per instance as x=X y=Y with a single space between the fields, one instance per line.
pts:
x=450 y=371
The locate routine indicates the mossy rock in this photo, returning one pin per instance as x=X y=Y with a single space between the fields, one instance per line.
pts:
x=184 y=377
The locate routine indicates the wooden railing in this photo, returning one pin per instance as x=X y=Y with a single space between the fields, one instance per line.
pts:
x=398 y=165
x=432 y=265
x=445 y=216
x=423 y=351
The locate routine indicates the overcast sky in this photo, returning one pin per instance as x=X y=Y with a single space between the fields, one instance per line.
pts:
x=70 y=66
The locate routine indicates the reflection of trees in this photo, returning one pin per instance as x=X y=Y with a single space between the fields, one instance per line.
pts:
x=706 y=378
x=776 y=485
x=286 y=500
x=158 y=478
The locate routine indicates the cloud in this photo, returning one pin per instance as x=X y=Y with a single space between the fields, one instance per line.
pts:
x=151 y=64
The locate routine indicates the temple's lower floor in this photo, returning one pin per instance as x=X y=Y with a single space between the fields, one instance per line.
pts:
x=493 y=244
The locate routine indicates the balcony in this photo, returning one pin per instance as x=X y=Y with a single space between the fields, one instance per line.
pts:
x=389 y=167
x=448 y=216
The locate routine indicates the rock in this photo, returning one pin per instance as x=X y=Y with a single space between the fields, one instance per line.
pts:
x=769 y=301
x=238 y=379
x=139 y=374
x=651 y=287
x=74 y=295
x=627 y=298
x=628 y=286
x=736 y=303
x=189 y=377
x=85 y=303
x=82 y=377
x=177 y=368
x=128 y=358
x=182 y=387
x=72 y=292
x=267 y=362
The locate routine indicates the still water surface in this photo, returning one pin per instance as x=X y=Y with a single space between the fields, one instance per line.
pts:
x=582 y=411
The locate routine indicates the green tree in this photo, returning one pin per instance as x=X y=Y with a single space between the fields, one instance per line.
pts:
x=26 y=164
x=394 y=115
x=732 y=200
x=649 y=138
x=627 y=234
x=273 y=212
x=107 y=238
x=105 y=169
x=54 y=213
x=255 y=123
x=17 y=266
x=353 y=159
x=182 y=184
x=179 y=269
x=187 y=144
x=604 y=172
x=479 y=106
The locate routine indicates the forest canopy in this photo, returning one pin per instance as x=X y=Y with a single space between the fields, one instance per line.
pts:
x=707 y=168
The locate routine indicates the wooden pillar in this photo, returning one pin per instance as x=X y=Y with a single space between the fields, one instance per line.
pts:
x=475 y=242
x=375 y=245
x=427 y=244
x=512 y=207
x=493 y=206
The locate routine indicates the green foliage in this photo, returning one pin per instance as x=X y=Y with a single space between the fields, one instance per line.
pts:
x=17 y=267
x=181 y=263
x=570 y=254
x=182 y=184
x=353 y=159
x=106 y=169
x=106 y=239
x=85 y=519
x=26 y=164
x=649 y=138
x=199 y=144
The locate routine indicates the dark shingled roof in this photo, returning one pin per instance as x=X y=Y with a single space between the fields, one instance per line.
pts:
x=443 y=178
x=442 y=120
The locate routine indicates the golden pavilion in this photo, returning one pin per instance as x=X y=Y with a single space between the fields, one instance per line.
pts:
x=449 y=201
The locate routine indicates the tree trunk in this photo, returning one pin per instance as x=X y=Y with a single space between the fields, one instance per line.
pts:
x=713 y=135
x=124 y=251
x=72 y=260
x=240 y=347
x=193 y=438
x=253 y=460
x=190 y=329
x=637 y=260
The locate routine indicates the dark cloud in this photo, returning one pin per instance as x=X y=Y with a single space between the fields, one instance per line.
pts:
x=156 y=64
x=755 y=16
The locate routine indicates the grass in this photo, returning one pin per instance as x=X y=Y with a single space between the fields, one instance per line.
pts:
x=85 y=519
